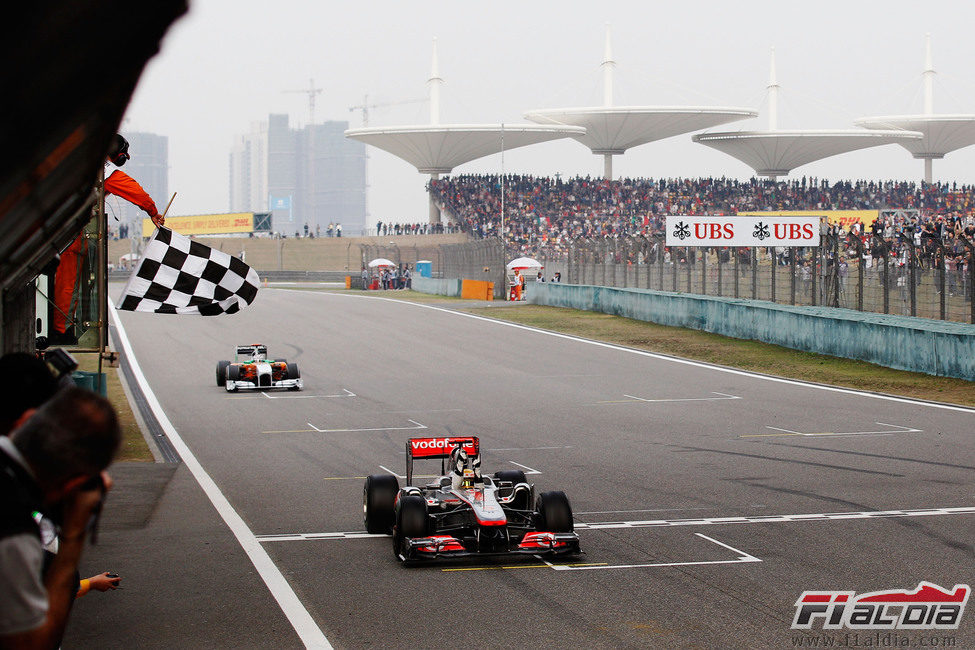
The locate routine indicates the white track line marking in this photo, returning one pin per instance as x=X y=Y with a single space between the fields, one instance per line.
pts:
x=416 y=426
x=529 y=448
x=771 y=519
x=743 y=557
x=787 y=432
x=709 y=521
x=528 y=470
x=633 y=398
x=652 y=355
x=346 y=393
x=392 y=472
x=302 y=622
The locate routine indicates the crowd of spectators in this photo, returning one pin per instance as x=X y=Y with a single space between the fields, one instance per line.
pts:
x=543 y=216
x=384 y=229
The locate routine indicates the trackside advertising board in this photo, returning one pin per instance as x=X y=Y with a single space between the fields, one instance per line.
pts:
x=205 y=224
x=771 y=230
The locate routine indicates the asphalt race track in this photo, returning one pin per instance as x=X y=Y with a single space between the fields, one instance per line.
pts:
x=706 y=500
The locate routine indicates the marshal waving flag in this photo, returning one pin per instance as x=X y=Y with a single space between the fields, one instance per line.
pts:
x=177 y=275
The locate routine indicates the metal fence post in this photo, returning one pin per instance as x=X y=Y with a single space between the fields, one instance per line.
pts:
x=912 y=272
x=754 y=260
x=734 y=251
x=792 y=267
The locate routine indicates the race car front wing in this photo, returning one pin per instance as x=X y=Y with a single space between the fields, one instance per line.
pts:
x=537 y=543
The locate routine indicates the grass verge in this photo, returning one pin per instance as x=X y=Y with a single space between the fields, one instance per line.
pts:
x=134 y=446
x=736 y=353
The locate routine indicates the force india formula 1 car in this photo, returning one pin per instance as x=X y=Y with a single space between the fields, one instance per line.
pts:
x=251 y=369
x=463 y=513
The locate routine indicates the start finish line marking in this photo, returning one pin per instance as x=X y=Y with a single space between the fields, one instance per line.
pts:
x=648 y=523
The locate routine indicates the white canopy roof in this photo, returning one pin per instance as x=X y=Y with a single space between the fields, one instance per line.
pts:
x=614 y=129
x=776 y=153
x=942 y=133
x=438 y=148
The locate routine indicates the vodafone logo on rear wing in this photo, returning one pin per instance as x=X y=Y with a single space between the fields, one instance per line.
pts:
x=441 y=447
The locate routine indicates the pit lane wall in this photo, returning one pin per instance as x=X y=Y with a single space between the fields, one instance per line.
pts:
x=917 y=344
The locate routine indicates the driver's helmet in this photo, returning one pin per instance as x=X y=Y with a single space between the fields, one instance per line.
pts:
x=260 y=353
x=464 y=467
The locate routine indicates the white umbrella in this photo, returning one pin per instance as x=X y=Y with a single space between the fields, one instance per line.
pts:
x=381 y=261
x=524 y=263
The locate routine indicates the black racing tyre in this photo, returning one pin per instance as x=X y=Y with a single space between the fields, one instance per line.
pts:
x=222 y=372
x=378 y=499
x=553 y=514
x=411 y=516
x=292 y=371
x=514 y=475
x=233 y=372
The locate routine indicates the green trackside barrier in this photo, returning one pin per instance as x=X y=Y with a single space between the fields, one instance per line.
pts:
x=93 y=381
x=934 y=347
x=438 y=286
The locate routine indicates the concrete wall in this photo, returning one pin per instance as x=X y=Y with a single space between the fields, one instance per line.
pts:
x=916 y=344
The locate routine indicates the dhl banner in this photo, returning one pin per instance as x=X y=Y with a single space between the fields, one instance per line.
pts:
x=205 y=224
x=845 y=218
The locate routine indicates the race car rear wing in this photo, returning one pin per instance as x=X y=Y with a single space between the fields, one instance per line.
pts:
x=437 y=448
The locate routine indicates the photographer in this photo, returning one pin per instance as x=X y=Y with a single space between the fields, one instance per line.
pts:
x=54 y=464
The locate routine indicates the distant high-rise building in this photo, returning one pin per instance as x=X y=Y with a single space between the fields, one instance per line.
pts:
x=149 y=166
x=248 y=171
x=311 y=176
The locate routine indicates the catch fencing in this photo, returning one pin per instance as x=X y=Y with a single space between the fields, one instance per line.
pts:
x=932 y=279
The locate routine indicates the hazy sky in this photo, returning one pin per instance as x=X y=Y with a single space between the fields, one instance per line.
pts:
x=228 y=63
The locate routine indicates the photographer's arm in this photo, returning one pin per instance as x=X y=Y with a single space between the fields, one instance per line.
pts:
x=60 y=580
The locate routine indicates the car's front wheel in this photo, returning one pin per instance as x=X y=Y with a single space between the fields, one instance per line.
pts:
x=411 y=521
x=222 y=372
x=553 y=514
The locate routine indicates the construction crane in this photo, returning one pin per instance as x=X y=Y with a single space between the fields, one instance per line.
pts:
x=311 y=91
x=365 y=106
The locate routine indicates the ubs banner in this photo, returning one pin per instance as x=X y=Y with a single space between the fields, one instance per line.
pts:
x=685 y=230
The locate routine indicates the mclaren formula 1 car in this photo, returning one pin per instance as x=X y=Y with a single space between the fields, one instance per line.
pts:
x=251 y=369
x=464 y=513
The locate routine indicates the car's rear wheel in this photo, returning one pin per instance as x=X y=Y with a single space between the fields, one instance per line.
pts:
x=222 y=372
x=553 y=513
x=378 y=499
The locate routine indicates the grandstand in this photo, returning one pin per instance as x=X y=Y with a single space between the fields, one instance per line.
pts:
x=545 y=215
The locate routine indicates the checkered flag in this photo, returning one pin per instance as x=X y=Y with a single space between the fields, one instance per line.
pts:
x=177 y=275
